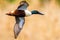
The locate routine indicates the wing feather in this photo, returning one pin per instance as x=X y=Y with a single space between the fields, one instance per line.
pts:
x=18 y=26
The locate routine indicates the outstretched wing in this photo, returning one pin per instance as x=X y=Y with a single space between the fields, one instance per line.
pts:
x=18 y=10
x=23 y=6
x=18 y=26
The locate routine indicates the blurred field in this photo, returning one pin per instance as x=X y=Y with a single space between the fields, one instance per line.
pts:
x=36 y=27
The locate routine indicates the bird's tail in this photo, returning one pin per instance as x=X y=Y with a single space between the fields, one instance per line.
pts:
x=17 y=30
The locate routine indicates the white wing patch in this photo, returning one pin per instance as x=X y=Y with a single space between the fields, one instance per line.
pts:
x=28 y=13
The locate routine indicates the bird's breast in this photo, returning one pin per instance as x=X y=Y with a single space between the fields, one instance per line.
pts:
x=22 y=13
x=27 y=13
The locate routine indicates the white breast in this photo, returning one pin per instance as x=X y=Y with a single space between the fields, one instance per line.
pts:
x=27 y=13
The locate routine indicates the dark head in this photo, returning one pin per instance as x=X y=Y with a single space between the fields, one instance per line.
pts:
x=36 y=12
x=24 y=3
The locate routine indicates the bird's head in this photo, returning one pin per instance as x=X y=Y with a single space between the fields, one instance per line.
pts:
x=36 y=12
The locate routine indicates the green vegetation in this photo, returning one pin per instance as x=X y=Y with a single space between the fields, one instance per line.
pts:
x=11 y=1
x=58 y=2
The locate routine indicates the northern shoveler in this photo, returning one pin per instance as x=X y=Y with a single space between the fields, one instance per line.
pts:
x=19 y=14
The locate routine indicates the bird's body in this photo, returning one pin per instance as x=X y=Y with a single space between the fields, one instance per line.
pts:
x=20 y=20
x=19 y=14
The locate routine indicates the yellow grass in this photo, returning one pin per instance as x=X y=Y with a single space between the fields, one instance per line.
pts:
x=36 y=27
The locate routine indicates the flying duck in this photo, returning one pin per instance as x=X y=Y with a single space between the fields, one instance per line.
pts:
x=19 y=14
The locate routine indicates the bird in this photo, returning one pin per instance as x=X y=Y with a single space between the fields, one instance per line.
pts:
x=20 y=13
x=19 y=17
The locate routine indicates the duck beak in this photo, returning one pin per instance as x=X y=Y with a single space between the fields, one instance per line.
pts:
x=40 y=13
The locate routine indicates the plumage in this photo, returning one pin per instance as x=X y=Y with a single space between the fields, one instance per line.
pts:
x=23 y=5
x=19 y=14
x=18 y=25
x=36 y=12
